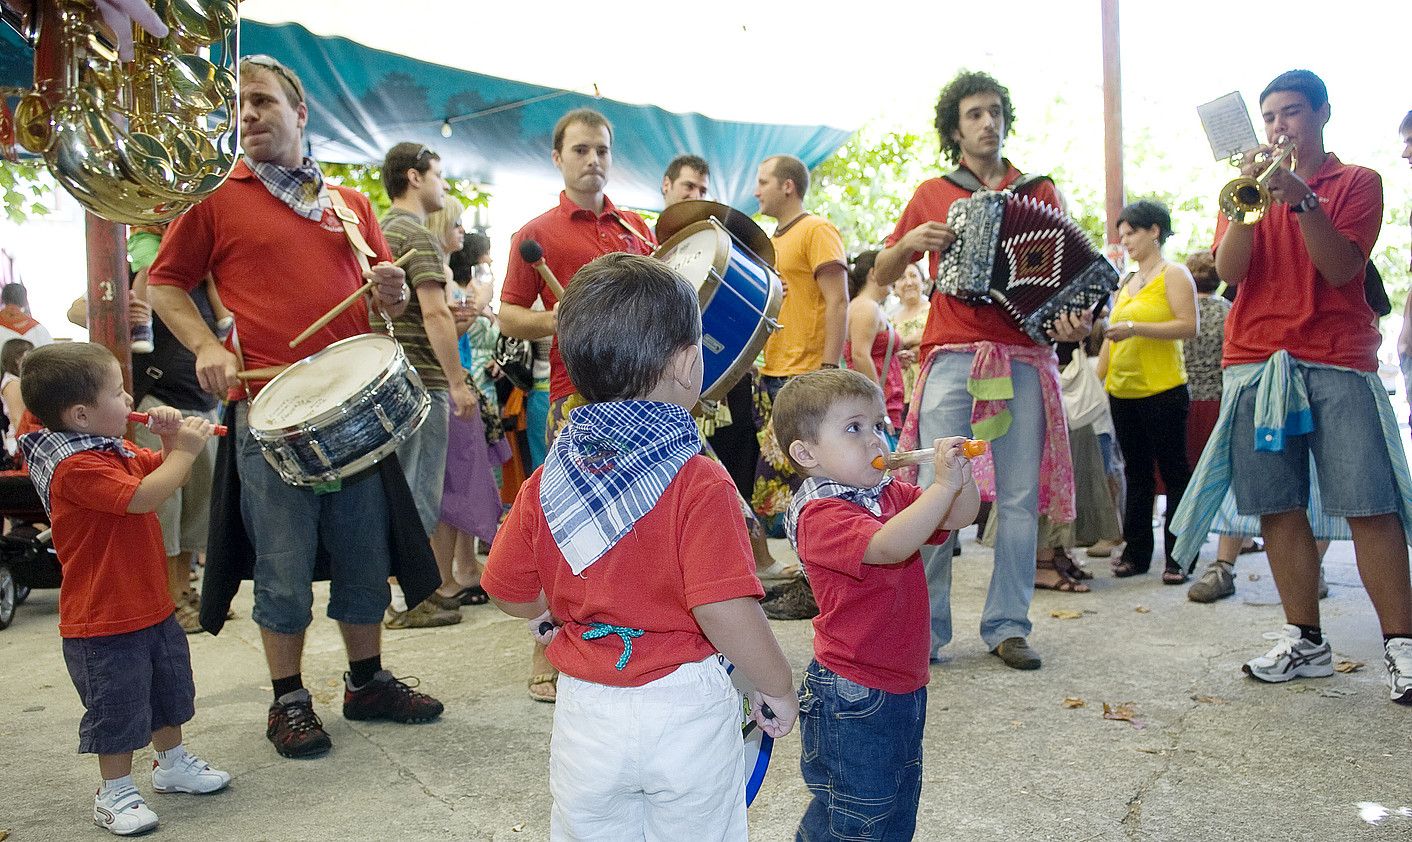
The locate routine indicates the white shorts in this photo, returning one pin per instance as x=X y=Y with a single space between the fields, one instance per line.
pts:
x=664 y=761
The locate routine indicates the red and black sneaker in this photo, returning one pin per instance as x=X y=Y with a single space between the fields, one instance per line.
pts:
x=389 y=698
x=295 y=730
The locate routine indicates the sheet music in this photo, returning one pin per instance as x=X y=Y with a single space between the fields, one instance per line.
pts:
x=1228 y=126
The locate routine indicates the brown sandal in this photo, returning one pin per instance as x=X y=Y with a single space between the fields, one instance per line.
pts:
x=1062 y=583
x=540 y=679
x=1066 y=565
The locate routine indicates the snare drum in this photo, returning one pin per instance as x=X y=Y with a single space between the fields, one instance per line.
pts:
x=339 y=411
x=740 y=299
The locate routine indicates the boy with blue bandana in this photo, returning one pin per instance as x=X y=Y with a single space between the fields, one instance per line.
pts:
x=627 y=552
x=125 y=651
x=863 y=703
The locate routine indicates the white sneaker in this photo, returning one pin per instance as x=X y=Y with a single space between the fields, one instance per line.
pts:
x=1291 y=657
x=122 y=811
x=190 y=774
x=1397 y=654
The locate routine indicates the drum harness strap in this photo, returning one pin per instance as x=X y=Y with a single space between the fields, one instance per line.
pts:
x=361 y=250
x=597 y=630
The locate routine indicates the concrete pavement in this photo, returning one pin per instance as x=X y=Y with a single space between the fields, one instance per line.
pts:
x=1210 y=754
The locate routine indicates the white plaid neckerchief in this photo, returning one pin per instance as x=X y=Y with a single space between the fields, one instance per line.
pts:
x=301 y=188
x=607 y=469
x=44 y=450
x=818 y=488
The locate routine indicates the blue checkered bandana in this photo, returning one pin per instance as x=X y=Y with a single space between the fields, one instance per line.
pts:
x=302 y=188
x=607 y=469
x=819 y=488
x=44 y=451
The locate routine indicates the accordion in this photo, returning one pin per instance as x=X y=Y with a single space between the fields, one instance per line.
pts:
x=1025 y=256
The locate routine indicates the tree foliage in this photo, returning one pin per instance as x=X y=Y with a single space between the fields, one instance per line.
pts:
x=367 y=179
x=23 y=186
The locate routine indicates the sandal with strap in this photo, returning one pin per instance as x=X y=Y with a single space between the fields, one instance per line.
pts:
x=543 y=678
x=1062 y=581
x=1122 y=568
x=1069 y=567
x=1174 y=575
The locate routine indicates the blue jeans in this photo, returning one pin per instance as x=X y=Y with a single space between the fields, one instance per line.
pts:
x=946 y=411
x=289 y=525
x=861 y=758
x=423 y=458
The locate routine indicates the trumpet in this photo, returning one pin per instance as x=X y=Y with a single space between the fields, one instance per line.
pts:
x=1245 y=200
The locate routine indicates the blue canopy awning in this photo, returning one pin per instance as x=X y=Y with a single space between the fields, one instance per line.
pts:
x=363 y=100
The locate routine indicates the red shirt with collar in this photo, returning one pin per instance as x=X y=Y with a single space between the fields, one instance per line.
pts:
x=114 y=564
x=571 y=236
x=952 y=320
x=874 y=623
x=690 y=550
x=277 y=271
x=1284 y=303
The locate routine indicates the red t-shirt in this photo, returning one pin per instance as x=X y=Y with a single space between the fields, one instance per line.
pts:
x=114 y=563
x=276 y=271
x=874 y=623
x=690 y=550
x=1284 y=303
x=571 y=236
x=952 y=320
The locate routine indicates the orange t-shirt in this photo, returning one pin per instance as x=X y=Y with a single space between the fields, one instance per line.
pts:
x=691 y=549
x=804 y=248
x=114 y=563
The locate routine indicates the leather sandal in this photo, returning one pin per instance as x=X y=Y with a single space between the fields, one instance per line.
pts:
x=543 y=678
x=1062 y=580
x=1122 y=568
x=1069 y=567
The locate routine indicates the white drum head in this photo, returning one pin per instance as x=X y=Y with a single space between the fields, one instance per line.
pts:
x=694 y=257
x=324 y=381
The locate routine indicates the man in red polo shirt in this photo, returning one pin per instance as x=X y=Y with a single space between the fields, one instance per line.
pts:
x=1301 y=317
x=973 y=117
x=584 y=225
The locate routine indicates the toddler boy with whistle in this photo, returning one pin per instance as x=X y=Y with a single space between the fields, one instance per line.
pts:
x=633 y=543
x=857 y=531
x=125 y=651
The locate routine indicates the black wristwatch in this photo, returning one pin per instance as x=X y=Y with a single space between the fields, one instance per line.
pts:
x=828 y=365
x=1308 y=203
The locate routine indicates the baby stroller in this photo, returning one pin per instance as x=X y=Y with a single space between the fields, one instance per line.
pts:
x=27 y=558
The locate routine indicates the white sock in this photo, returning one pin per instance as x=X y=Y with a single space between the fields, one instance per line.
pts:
x=169 y=758
x=109 y=786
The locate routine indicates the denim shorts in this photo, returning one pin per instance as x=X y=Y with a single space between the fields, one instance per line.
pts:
x=131 y=685
x=291 y=526
x=1350 y=453
x=861 y=758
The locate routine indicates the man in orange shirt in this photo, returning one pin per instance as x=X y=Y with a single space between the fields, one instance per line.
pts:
x=810 y=258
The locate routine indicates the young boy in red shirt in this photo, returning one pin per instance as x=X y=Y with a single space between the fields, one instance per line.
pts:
x=125 y=651
x=858 y=531
x=631 y=544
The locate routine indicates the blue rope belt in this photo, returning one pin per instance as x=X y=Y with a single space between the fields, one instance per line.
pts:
x=597 y=630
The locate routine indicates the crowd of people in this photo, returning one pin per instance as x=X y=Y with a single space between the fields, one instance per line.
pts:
x=627 y=522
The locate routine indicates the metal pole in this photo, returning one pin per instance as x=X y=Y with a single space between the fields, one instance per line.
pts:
x=1112 y=119
x=107 y=289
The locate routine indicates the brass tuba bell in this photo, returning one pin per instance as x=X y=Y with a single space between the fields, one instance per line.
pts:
x=1245 y=200
x=141 y=142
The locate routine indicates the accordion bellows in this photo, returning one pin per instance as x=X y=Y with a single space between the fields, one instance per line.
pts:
x=1025 y=256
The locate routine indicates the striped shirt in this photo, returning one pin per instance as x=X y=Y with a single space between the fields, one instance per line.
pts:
x=405 y=232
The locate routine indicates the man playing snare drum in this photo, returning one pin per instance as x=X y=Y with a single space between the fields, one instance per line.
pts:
x=273 y=241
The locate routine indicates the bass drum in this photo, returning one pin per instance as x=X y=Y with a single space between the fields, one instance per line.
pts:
x=740 y=300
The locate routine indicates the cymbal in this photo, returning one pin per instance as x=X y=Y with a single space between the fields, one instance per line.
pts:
x=742 y=227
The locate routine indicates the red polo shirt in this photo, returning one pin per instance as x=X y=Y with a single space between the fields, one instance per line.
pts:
x=1284 y=303
x=277 y=271
x=571 y=236
x=952 y=320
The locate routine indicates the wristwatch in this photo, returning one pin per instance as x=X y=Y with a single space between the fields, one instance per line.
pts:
x=828 y=365
x=1308 y=203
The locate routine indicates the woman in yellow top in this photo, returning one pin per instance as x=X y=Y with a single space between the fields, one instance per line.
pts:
x=1141 y=366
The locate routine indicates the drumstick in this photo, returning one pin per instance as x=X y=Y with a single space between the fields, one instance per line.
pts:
x=266 y=373
x=344 y=304
x=143 y=418
x=970 y=448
